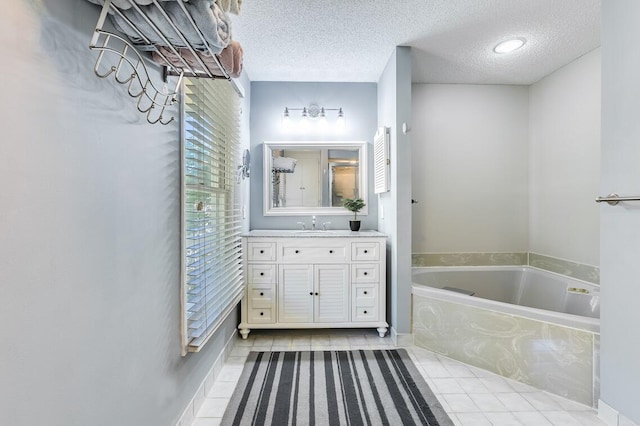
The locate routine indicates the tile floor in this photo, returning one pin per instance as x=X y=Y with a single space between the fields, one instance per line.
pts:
x=470 y=395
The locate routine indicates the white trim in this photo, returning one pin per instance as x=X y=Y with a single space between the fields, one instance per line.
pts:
x=611 y=416
x=402 y=340
x=363 y=158
x=191 y=411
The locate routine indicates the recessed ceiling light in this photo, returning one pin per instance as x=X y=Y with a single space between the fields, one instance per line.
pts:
x=508 y=46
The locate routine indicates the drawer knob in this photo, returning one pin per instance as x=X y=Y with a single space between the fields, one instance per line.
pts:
x=365 y=292
x=316 y=293
x=297 y=251
x=366 y=251
x=366 y=273
x=262 y=294
x=261 y=274
x=365 y=312
x=310 y=293
x=262 y=251
x=262 y=313
x=330 y=251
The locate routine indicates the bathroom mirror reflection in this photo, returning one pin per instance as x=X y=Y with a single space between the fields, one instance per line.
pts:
x=313 y=177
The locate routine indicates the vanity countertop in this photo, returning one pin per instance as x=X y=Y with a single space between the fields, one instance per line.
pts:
x=298 y=233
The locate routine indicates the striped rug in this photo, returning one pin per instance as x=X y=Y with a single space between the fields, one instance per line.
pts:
x=366 y=387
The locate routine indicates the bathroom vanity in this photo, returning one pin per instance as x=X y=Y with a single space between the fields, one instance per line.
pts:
x=314 y=279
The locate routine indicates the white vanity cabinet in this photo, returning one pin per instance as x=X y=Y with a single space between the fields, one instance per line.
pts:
x=314 y=279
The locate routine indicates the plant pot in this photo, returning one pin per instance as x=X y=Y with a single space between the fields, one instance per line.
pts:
x=354 y=225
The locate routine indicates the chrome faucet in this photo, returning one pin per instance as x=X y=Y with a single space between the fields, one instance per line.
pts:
x=304 y=226
x=324 y=225
x=313 y=223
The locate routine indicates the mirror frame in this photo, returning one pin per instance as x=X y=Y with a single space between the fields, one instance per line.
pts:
x=269 y=146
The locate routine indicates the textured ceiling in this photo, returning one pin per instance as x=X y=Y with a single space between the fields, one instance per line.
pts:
x=451 y=40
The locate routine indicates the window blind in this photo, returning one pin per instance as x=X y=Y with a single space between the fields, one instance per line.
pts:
x=211 y=218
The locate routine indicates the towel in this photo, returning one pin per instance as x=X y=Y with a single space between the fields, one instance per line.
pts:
x=125 y=4
x=213 y=22
x=230 y=6
x=231 y=59
x=207 y=15
x=284 y=164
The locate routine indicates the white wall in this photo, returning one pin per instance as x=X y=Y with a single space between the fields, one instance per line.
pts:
x=469 y=168
x=90 y=242
x=394 y=108
x=620 y=225
x=564 y=158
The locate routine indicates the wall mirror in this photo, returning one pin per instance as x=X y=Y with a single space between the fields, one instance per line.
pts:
x=312 y=178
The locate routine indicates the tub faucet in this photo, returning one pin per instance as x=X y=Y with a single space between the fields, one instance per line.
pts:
x=313 y=223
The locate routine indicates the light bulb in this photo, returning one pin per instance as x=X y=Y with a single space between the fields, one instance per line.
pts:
x=286 y=120
x=322 y=123
x=509 y=46
x=341 y=123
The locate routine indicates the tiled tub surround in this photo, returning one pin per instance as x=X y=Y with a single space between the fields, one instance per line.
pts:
x=576 y=270
x=468 y=259
x=552 y=351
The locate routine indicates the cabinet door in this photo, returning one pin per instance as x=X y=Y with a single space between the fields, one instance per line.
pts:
x=295 y=293
x=331 y=302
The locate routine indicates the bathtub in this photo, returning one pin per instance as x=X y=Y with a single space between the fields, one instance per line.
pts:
x=530 y=325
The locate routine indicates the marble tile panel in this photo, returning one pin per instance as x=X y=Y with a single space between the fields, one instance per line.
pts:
x=549 y=357
x=468 y=259
x=560 y=266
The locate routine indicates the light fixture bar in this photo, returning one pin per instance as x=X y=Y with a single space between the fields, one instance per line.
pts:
x=312 y=112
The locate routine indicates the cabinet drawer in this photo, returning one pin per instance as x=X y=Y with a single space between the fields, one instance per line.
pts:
x=336 y=252
x=260 y=315
x=365 y=295
x=365 y=251
x=365 y=314
x=261 y=252
x=262 y=274
x=365 y=273
x=261 y=297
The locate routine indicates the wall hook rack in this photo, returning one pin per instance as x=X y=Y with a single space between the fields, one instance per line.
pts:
x=129 y=63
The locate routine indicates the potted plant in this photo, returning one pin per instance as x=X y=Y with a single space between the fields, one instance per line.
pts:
x=354 y=205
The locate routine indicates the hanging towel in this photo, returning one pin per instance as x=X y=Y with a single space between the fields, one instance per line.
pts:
x=230 y=58
x=230 y=6
x=284 y=164
x=207 y=15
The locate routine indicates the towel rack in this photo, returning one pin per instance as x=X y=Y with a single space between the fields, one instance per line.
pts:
x=128 y=64
x=614 y=199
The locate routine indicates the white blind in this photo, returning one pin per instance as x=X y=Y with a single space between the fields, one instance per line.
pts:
x=381 y=160
x=212 y=282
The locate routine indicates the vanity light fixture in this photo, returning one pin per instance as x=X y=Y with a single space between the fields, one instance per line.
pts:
x=509 y=46
x=313 y=114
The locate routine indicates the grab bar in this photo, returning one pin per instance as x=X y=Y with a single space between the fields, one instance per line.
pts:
x=614 y=199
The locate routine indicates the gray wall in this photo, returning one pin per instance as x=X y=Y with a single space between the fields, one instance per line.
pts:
x=394 y=108
x=90 y=246
x=564 y=159
x=470 y=164
x=268 y=100
x=509 y=168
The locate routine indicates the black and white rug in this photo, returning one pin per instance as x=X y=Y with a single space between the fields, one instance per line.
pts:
x=358 y=387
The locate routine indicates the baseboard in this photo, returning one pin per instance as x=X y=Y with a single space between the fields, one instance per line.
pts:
x=611 y=416
x=401 y=340
x=189 y=414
